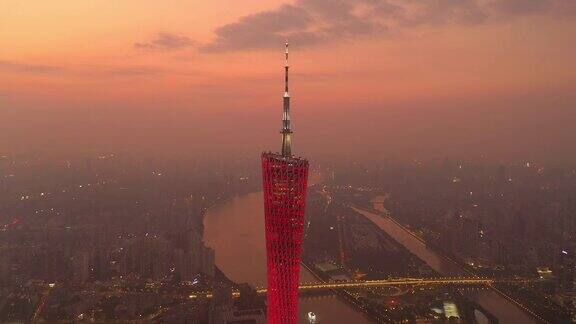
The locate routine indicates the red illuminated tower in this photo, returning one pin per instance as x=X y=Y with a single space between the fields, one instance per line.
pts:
x=285 y=180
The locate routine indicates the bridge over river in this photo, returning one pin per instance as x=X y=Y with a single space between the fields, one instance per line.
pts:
x=319 y=286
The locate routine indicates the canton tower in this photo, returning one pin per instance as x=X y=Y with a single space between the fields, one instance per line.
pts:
x=285 y=180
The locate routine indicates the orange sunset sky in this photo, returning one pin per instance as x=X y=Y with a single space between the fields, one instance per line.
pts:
x=407 y=78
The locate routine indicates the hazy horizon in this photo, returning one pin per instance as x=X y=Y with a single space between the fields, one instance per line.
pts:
x=369 y=79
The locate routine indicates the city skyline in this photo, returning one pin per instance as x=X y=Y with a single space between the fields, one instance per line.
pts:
x=153 y=169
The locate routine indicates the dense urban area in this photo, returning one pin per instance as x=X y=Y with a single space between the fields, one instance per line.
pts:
x=110 y=238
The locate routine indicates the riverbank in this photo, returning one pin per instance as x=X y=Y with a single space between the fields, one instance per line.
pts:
x=504 y=309
x=345 y=295
x=384 y=213
x=235 y=229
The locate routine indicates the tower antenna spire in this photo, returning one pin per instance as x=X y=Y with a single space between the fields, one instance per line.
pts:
x=286 y=66
x=286 y=127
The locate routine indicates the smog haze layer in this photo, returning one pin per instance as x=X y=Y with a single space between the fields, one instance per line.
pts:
x=369 y=78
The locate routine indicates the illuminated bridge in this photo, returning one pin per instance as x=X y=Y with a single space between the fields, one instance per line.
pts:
x=455 y=281
x=391 y=282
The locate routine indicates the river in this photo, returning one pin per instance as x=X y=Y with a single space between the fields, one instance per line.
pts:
x=235 y=229
x=504 y=310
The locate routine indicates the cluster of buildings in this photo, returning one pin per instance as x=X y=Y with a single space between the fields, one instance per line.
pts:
x=155 y=258
x=502 y=221
x=85 y=254
x=98 y=229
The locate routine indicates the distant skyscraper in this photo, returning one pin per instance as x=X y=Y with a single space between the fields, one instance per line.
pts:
x=285 y=181
x=81 y=267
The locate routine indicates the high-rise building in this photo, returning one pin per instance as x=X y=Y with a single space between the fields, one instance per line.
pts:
x=285 y=179
x=81 y=267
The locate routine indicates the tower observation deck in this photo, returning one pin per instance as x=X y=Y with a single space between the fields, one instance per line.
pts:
x=285 y=180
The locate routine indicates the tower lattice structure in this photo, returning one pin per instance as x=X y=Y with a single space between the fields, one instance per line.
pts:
x=285 y=180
